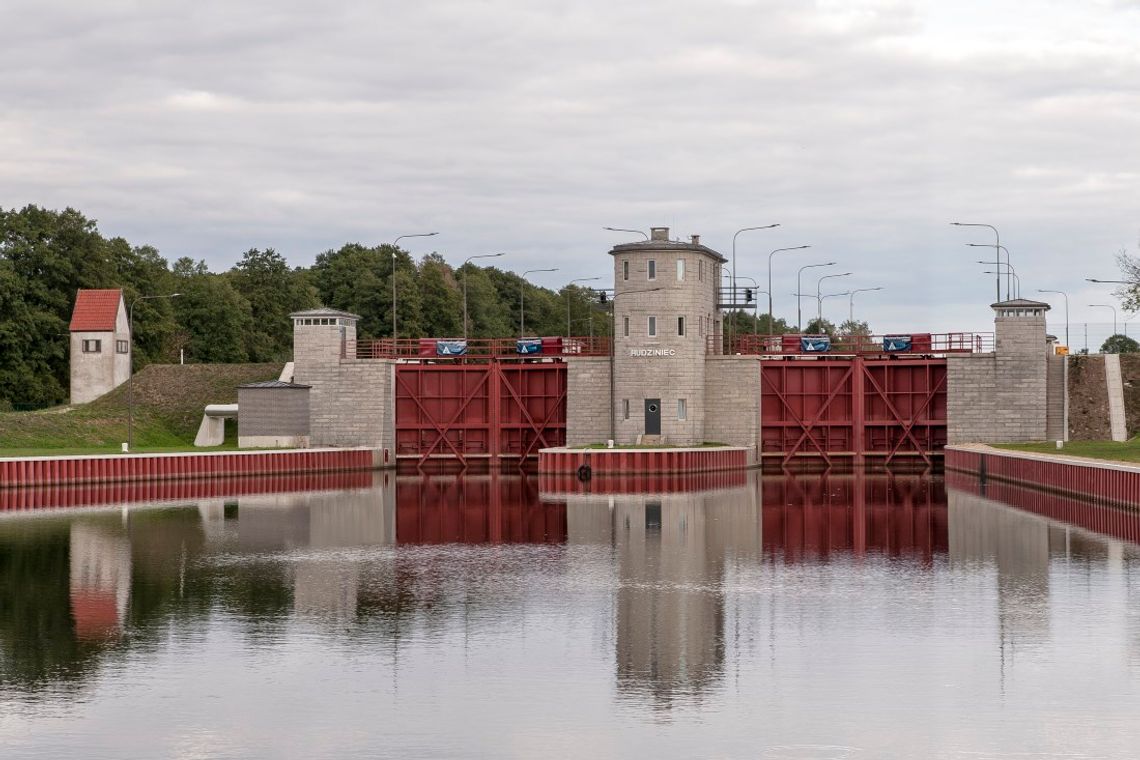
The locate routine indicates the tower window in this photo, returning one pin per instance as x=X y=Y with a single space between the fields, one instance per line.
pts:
x=680 y=325
x=625 y=269
x=121 y=346
x=682 y=411
x=625 y=326
x=653 y=327
x=652 y=269
x=92 y=346
x=625 y=409
x=680 y=270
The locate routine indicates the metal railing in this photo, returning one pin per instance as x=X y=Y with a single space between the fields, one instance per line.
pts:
x=854 y=345
x=430 y=349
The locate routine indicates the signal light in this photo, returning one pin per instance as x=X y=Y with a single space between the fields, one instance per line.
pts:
x=748 y=295
x=602 y=296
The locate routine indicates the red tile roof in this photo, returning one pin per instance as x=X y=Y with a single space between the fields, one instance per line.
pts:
x=96 y=310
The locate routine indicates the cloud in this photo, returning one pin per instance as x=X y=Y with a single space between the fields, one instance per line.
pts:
x=863 y=128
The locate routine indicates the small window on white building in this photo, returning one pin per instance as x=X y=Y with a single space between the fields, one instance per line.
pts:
x=92 y=346
x=652 y=269
x=653 y=327
x=682 y=412
x=625 y=409
x=121 y=346
x=680 y=326
x=625 y=269
x=680 y=270
x=625 y=326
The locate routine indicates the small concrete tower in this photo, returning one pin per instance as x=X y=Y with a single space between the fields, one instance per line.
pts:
x=665 y=297
x=319 y=338
x=1019 y=327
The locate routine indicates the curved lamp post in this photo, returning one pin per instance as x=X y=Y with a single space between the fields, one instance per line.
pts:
x=818 y=291
x=734 y=236
x=1066 y=295
x=770 y=255
x=623 y=229
x=800 y=290
x=997 y=236
x=394 y=249
x=851 y=304
x=826 y=296
x=1108 y=306
x=131 y=368
x=580 y=279
x=998 y=248
x=522 y=299
x=1016 y=279
x=469 y=259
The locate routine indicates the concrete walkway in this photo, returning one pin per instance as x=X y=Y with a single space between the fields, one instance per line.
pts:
x=1115 y=384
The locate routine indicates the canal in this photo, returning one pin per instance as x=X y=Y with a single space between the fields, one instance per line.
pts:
x=859 y=615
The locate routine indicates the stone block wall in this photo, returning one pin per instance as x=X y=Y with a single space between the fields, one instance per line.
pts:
x=732 y=401
x=352 y=403
x=993 y=398
x=588 y=400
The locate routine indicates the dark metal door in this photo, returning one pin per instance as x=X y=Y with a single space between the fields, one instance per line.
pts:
x=653 y=416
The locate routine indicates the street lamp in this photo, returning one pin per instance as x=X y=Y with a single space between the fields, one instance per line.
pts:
x=1066 y=295
x=613 y=340
x=851 y=304
x=799 y=291
x=826 y=296
x=758 y=291
x=470 y=259
x=996 y=253
x=1108 y=306
x=131 y=368
x=623 y=229
x=734 y=236
x=580 y=279
x=522 y=299
x=770 y=255
x=818 y=292
x=1017 y=280
x=394 y=249
x=1110 y=282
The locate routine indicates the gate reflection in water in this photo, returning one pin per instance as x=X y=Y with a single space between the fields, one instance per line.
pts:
x=802 y=615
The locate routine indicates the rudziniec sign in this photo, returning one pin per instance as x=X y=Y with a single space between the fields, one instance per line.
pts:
x=652 y=352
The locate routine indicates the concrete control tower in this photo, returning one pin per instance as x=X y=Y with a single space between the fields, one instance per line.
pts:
x=665 y=315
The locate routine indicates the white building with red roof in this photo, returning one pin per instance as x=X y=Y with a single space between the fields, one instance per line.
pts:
x=100 y=344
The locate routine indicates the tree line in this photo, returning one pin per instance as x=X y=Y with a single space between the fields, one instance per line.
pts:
x=242 y=314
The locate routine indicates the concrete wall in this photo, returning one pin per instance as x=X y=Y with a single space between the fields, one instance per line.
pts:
x=998 y=397
x=587 y=400
x=732 y=401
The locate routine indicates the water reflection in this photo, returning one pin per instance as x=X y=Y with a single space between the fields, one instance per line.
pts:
x=711 y=603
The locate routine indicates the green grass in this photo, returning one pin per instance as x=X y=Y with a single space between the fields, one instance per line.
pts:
x=168 y=405
x=1127 y=451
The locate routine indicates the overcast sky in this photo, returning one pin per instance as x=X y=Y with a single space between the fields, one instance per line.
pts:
x=863 y=128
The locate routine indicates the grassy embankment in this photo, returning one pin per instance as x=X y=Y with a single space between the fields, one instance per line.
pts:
x=1127 y=451
x=168 y=404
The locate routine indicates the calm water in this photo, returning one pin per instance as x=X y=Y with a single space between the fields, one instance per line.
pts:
x=850 y=616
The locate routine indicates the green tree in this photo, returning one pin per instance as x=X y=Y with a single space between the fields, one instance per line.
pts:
x=441 y=300
x=820 y=327
x=1120 y=344
x=215 y=317
x=273 y=291
x=854 y=327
